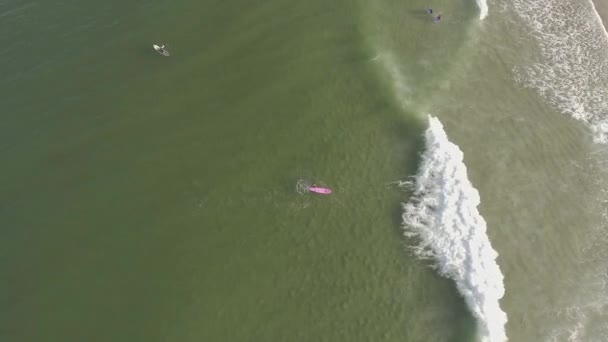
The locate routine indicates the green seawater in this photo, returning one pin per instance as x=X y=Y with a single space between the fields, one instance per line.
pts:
x=146 y=198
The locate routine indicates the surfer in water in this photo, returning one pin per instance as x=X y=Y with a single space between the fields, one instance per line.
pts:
x=161 y=49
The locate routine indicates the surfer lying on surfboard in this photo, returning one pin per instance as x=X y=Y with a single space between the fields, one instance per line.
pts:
x=161 y=49
x=319 y=190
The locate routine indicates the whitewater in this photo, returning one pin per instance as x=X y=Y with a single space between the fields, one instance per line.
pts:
x=483 y=8
x=442 y=214
x=570 y=69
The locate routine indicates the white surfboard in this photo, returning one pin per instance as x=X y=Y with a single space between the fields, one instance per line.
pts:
x=160 y=49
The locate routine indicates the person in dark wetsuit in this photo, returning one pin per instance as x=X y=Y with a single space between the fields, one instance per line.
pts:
x=429 y=10
x=437 y=18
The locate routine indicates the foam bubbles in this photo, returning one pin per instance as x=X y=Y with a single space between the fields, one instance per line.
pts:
x=442 y=214
x=571 y=72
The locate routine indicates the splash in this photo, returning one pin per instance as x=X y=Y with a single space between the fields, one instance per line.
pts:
x=302 y=186
x=443 y=215
x=483 y=8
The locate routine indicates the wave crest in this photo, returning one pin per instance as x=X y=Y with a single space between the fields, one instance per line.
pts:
x=443 y=215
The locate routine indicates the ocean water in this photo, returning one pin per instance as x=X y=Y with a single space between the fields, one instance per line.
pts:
x=540 y=173
x=146 y=198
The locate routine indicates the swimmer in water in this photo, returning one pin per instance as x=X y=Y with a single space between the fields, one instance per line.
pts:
x=437 y=18
x=429 y=10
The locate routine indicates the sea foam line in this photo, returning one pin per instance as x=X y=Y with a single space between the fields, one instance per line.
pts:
x=442 y=214
x=599 y=18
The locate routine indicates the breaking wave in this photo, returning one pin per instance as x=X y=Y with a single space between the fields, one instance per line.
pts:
x=442 y=214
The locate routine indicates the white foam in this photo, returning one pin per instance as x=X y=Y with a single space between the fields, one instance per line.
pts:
x=483 y=9
x=571 y=71
x=443 y=215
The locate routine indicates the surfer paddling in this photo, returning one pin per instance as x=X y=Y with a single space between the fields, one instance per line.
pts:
x=161 y=49
x=437 y=18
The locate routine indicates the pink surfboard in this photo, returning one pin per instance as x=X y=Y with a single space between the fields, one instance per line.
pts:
x=319 y=190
